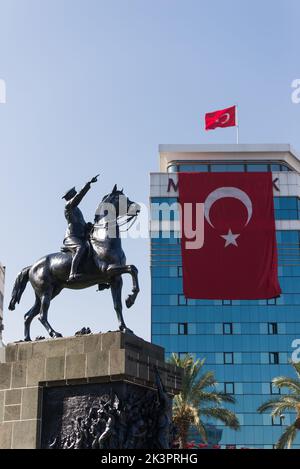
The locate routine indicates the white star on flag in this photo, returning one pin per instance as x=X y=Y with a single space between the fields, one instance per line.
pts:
x=230 y=238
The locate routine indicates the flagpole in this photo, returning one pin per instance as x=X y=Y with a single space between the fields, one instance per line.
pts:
x=237 y=125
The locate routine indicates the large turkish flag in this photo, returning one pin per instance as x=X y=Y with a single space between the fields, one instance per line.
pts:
x=238 y=259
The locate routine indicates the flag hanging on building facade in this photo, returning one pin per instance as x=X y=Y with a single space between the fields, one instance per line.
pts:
x=222 y=118
x=238 y=259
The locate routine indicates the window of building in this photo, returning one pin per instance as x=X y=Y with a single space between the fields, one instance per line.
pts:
x=173 y=300
x=225 y=168
x=272 y=328
x=228 y=358
x=179 y=271
x=229 y=388
x=183 y=328
x=288 y=237
x=274 y=389
x=192 y=168
x=227 y=328
x=257 y=168
x=286 y=208
x=278 y=421
x=182 y=301
x=227 y=302
x=279 y=167
x=272 y=301
x=192 y=328
x=172 y=272
x=274 y=358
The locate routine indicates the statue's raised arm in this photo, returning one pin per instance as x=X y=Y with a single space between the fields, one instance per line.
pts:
x=79 y=196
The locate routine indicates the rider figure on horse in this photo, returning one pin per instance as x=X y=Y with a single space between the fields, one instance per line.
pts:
x=77 y=231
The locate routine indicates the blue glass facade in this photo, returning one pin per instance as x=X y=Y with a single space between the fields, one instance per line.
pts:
x=246 y=343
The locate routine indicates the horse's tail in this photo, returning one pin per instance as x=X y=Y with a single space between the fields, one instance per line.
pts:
x=19 y=287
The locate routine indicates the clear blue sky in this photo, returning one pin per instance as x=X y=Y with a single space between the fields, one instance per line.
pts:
x=94 y=86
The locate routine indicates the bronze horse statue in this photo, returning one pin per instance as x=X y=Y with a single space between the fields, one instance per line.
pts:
x=103 y=264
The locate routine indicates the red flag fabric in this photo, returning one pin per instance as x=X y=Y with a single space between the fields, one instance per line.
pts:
x=223 y=118
x=238 y=259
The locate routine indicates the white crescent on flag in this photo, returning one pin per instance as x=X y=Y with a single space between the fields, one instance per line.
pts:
x=223 y=192
x=227 y=117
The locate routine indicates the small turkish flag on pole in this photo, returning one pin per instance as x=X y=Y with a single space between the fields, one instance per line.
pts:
x=222 y=118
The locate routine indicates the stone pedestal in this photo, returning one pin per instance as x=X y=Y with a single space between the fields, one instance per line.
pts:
x=70 y=368
x=2 y=352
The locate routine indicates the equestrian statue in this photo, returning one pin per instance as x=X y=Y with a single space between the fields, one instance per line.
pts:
x=92 y=254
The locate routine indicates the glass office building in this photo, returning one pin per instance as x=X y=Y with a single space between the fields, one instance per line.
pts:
x=246 y=343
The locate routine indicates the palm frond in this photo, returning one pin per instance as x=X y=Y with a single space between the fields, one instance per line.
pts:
x=286 y=382
x=297 y=368
x=280 y=405
x=287 y=403
x=287 y=438
x=224 y=415
x=268 y=405
x=215 y=396
x=224 y=397
x=206 y=380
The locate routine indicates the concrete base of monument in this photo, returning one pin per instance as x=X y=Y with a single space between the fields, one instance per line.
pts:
x=2 y=352
x=92 y=391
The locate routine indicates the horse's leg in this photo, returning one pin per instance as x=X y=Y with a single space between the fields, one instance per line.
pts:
x=116 y=291
x=28 y=317
x=46 y=298
x=130 y=300
x=132 y=270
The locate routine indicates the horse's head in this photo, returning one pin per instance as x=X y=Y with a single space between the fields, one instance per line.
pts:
x=116 y=206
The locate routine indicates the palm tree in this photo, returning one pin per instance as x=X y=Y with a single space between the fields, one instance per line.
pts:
x=199 y=399
x=288 y=402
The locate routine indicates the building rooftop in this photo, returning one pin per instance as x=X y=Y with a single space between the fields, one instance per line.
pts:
x=229 y=152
